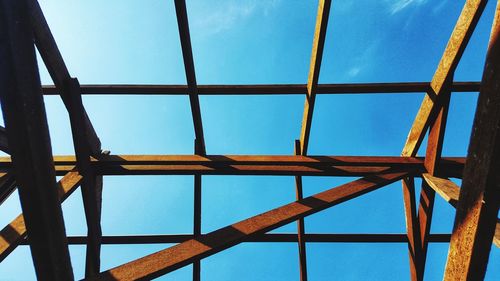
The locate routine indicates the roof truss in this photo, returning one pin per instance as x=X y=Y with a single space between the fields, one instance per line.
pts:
x=32 y=167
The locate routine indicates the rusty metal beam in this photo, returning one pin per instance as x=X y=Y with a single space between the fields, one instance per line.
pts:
x=425 y=210
x=431 y=163
x=479 y=200
x=300 y=223
x=14 y=234
x=249 y=165
x=29 y=143
x=450 y=192
x=456 y=45
x=412 y=229
x=263 y=238
x=192 y=87
x=272 y=89
x=314 y=68
x=436 y=133
x=54 y=62
x=167 y=260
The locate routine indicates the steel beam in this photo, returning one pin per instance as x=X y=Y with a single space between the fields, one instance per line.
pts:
x=314 y=68
x=479 y=200
x=167 y=260
x=272 y=89
x=300 y=223
x=450 y=192
x=14 y=233
x=4 y=145
x=456 y=45
x=249 y=165
x=192 y=87
x=54 y=62
x=29 y=143
x=7 y=186
x=92 y=183
x=412 y=229
x=263 y=238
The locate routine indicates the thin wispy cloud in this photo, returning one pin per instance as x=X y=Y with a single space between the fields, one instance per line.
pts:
x=363 y=61
x=400 y=5
x=226 y=15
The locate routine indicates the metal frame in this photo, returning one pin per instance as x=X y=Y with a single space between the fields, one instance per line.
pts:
x=32 y=168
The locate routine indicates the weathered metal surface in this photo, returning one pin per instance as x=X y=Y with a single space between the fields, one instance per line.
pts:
x=478 y=204
x=436 y=132
x=412 y=229
x=250 y=165
x=314 y=68
x=456 y=45
x=431 y=163
x=164 y=261
x=425 y=209
x=444 y=187
x=450 y=192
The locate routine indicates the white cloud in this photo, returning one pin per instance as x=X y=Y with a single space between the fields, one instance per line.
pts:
x=363 y=61
x=399 y=5
x=354 y=71
x=225 y=16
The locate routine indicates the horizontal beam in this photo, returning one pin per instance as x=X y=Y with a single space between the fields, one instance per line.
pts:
x=273 y=89
x=164 y=261
x=250 y=165
x=264 y=238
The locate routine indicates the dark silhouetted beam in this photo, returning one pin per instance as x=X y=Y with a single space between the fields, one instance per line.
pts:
x=167 y=260
x=300 y=223
x=4 y=145
x=92 y=183
x=197 y=213
x=263 y=238
x=54 y=62
x=29 y=143
x=192 y=87
x=273 y=89
x=14 y=233
x=7 y=186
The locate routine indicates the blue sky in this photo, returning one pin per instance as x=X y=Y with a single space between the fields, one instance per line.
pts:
x=255 y=42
